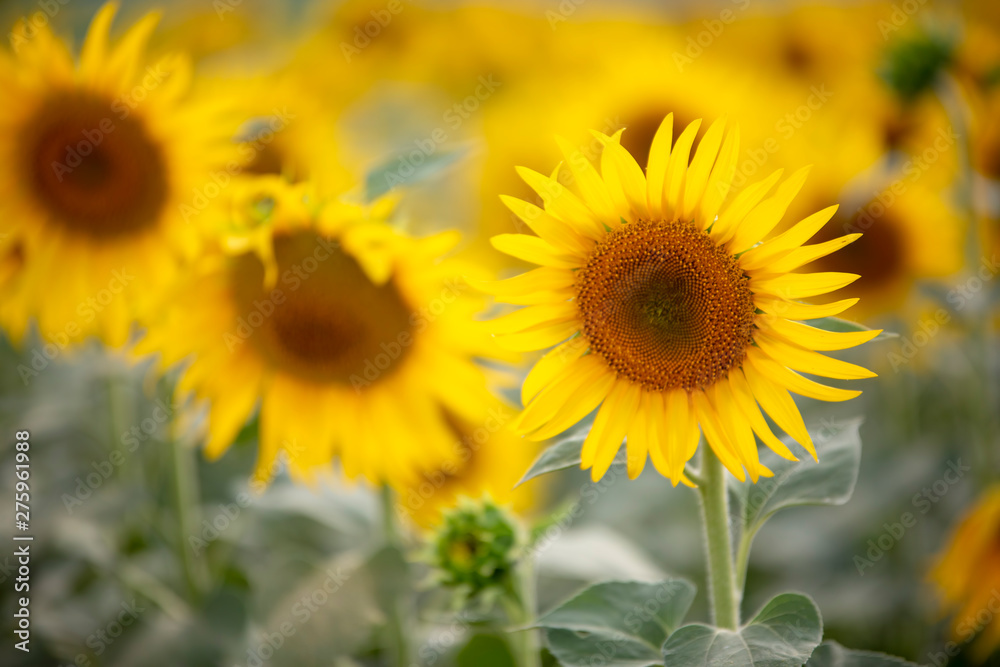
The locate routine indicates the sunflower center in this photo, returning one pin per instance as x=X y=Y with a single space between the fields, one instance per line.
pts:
x=665 y=306
x=324 y=320
x=93 y=166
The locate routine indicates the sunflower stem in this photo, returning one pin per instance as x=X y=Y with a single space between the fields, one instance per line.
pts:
x=187 y=503
x=395 y=621
x=718 y=548
x=522 y=612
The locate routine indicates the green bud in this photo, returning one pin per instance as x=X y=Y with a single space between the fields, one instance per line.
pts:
x=476 y=547
x=911 y=65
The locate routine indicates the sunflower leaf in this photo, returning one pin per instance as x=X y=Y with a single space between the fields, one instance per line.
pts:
x=832 y=654
x=782 y=634
x=620 y=623
x=830 y=481
x=565 y=452
x=404 y=170
x=846 y=326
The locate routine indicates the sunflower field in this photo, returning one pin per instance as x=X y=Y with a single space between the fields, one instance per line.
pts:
x=488 y=333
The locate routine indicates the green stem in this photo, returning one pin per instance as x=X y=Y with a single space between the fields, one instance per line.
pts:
x=521 y=610
x=397 y=628
x=186 y=504
x=715 y=512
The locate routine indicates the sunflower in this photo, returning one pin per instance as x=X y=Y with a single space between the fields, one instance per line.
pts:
x=99 y=160
x=356 y=340
x=492 y=460
x=669 y=313
x=967 y=574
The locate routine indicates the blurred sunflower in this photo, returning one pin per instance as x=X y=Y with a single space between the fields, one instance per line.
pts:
x=967 y=574
x=668 y=312
x=492 y=459
x=357 y=340
x=97 y=162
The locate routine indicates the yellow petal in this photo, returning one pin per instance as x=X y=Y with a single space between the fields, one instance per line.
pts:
x=637 y=440
x=766 y=215
x=548 y=227
x=624 y=176
x=780 y=406
x=656 y=168
x=813 y=338
x=795 y=310
x=802 y=285
x=620 y=411
x=715 y=436
x=538 y=338
x=589 y=185
x=720 y=182
x=548 y=403
x=808 y=361
x=535 y=250
x=701 y=167
x=794 y=382
x=748 y=405
x=677 y=170
x=563 y=204
x=733 y=213
x=802 y=231
x=549 y=366
x=533 y=316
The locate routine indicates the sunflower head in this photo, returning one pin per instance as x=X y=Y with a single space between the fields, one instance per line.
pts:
x=672 y=305
x=102 y=163
x=967 y=576
x=356 y=340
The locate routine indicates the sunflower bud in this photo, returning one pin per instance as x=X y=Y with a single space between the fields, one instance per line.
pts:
x=912 y=65
x=476 y=547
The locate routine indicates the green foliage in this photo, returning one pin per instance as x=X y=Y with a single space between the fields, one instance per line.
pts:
x=783 y=634
x=624 y=623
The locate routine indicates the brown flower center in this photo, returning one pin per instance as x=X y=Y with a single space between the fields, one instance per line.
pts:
x=94 y=168
x=324 y=320
x=665 y=306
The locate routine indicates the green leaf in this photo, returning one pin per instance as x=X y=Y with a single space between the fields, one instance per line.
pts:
x=783 y=634
x=806 y=482
x=846 y=326
x=565 y=453
x=832 y=654
x=403 y=170
x=622 y=624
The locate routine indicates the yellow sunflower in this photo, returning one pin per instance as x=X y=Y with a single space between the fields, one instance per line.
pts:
x=669 y=313
x=98 y=159
x=967 y=574
x=492 y=459
x=357 y=341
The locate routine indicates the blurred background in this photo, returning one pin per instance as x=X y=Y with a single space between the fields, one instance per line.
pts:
x=147 y=554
